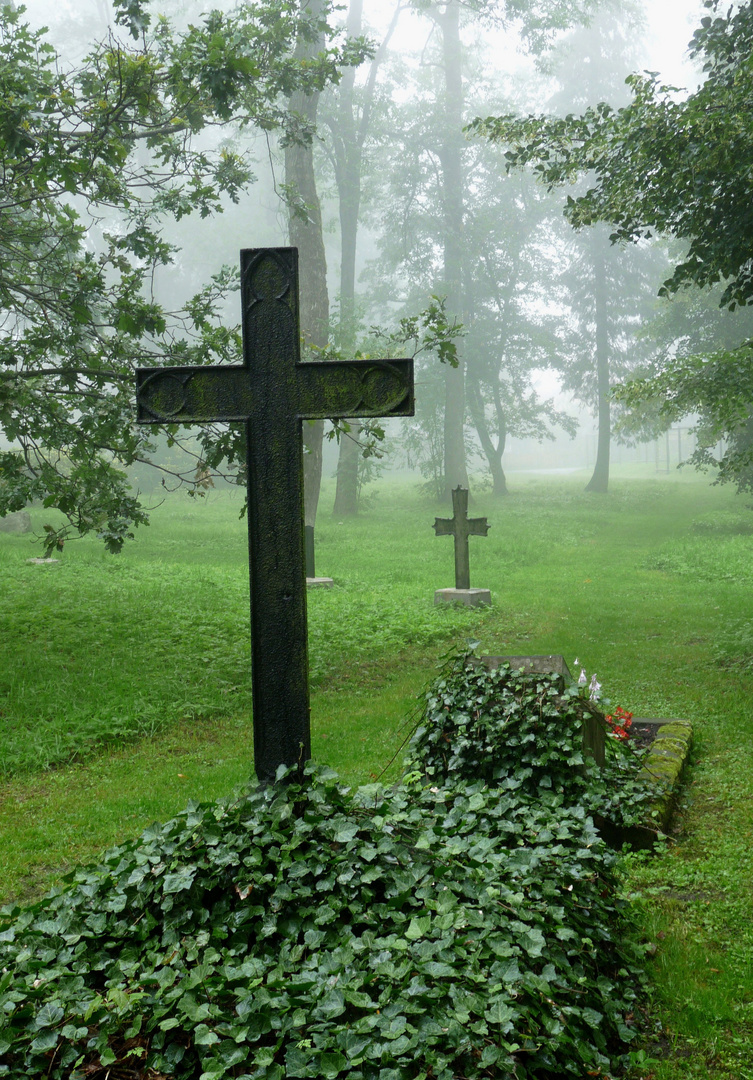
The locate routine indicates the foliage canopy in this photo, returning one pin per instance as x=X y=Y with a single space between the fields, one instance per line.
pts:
x=95 y=159
x=666 y=162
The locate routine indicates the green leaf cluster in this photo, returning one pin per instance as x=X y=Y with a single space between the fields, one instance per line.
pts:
x=442 y=930
x=95 y=158
x=678 y=164
x=523 y=731
x=667 y=162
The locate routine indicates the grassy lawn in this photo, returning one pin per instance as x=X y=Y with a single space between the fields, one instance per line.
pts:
x=124 y=689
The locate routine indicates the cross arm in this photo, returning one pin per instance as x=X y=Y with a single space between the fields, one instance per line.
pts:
x=338 y=389
x=478 y=527
x=192 y=394
x=320 y=390
x=444 y=526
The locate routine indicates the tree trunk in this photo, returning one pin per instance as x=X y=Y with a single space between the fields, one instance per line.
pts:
x=348 y=176
x=349 y=136
x=493 y=453
x=305 y=231
x=451 y=159
x=346 y=492
x=599 y=481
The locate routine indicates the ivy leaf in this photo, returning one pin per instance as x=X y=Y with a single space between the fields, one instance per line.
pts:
x=499 y=1012
x=592 y=1018
x=331 y=1064
x=48 y=1016
x=48 y=1040
x=418 y=927
x=344 y=830
x=180 y=880
x=204 y=1036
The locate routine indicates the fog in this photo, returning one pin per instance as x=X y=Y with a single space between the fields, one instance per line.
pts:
x=525 y=289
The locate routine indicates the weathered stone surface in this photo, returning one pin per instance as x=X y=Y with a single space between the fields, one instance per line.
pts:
x=553 y=663
x=664 y=764
x=469 y=597
x=319 y=582
x=662 y=768
x=42 y=562
x=20 y=522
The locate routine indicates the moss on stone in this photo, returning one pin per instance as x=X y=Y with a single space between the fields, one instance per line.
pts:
x=663 y=767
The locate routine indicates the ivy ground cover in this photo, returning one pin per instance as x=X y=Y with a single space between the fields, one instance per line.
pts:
x=461 y=924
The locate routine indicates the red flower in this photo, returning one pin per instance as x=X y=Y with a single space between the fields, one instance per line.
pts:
x=620 y=723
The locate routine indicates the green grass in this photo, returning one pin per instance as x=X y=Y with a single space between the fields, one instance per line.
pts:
x=124 y=688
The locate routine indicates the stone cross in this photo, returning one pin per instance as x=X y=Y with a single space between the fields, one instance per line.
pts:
x=461 y=527
x=272 y=392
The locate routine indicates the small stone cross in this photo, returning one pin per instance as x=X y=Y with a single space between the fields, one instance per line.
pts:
x=461 y=527
x=272 y=392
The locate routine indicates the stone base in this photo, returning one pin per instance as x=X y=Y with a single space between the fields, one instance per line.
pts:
x=319 y=582
x=551 y=664
x=469 y=597
x=42 y=562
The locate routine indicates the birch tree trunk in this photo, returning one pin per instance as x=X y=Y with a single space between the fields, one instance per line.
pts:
x=305 y=233
x=451 y=160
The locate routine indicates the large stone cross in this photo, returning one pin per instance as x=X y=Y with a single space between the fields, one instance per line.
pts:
x=461 y=527
x=272 y=392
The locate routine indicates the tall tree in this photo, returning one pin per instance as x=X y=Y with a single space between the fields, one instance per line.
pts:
x=453 y=224
x=534 y=24
x=514 y=328
x=594 y=62
x=453 y=185
x=610 y=296
x=349 y=122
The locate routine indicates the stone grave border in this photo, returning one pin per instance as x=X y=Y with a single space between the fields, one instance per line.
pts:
x=664 y=763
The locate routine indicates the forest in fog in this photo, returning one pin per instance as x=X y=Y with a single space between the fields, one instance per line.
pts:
x=145 y=144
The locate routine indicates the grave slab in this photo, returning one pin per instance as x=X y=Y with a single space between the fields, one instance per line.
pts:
x=469 y=597
x=319 y=582
x=662 y=767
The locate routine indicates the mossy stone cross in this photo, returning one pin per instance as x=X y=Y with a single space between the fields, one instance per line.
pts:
x=460 y=526
x=272 y=392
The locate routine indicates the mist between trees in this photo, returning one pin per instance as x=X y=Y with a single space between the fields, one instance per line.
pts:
x=144 y=144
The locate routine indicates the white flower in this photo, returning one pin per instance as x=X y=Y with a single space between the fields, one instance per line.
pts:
x=577 y=661
x=594 y=689
x=583 y=679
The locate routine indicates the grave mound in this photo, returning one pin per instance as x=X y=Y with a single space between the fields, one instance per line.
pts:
x=445 y=926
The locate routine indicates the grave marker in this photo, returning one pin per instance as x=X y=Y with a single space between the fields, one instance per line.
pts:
x=460 y=527
x=272 y=392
